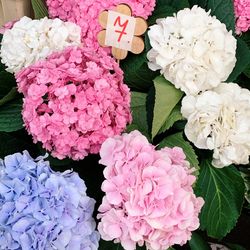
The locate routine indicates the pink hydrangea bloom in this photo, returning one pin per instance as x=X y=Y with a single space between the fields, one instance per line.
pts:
x=73 y=101
x=7 y=26
x=242 y=14
x=149 y=196
x=85 y=13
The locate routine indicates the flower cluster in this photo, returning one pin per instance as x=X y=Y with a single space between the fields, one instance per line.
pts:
x=85 y=14
x=7 y=26
x=149 y=196
x=43 y=210
x=30 y=40
x=193 y=50
x=242 y=13
x=219 y=120
x=74 y=100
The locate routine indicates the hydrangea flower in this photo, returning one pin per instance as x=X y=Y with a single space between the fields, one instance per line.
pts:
x=74 y=100
x=7 y=26
x=242 y=14
x=148 y=194
x=85 y=14
x=43 y=210
x=219 y=120
x=192 y=49
x=30 y=40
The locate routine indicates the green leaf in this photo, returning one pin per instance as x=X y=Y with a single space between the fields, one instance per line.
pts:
x=147 y=43
x=245 y=173
x=2 y=66
x=243 y=81
x=246 y=38
x=9 y=144
x=150 y=103
x=54 y=162
x=161 y=12
x=174 y=116
x=39 y=8
x=247 y=71
x=235 y=246
x=139 y=113
x=137 y=75
x=141 y=248
x=8 y=90
x=7 y=81
x=10 y=116
x=198 y=243
x=9 y=97
x=224 y=11
x=165 y=8
x=180 y=125
x=109 y=245
x=243 y=60
x=201 y=3
x=177 y=140
x=178 y=5
x=223 y=192
x=166 y=97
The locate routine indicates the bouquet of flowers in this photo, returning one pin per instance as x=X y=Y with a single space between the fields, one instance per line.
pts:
x=149 y=152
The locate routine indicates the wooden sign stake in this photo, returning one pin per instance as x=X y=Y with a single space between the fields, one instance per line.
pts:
x=119 y=32
x=11 y=10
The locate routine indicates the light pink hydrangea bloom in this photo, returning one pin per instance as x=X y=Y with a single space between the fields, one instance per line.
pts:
x=85 y=13
x=242 y=14
x=7 y=26
x=149 y=197
x=73 y=101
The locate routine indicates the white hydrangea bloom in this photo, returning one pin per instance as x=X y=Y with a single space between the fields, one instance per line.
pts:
x=30 y=40
x=193 y=50
x=219 y=120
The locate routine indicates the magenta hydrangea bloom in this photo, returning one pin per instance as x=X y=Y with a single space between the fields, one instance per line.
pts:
x=74 y=100
x=242 y=14
x=149 y=197
x=85 y=13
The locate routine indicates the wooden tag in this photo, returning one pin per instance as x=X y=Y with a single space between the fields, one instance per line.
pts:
x=121 y=31
x=11 y=10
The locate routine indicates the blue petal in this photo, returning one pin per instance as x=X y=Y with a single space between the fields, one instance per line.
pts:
x=22 y=224
x=5 y=212
x=25 y=241
x=12 y=162
x=3 y=188
x=22 y=203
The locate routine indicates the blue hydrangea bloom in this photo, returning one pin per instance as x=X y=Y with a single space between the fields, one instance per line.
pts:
x=43 y=209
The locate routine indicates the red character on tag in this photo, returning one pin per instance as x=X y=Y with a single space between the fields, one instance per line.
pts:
x=124 y=26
